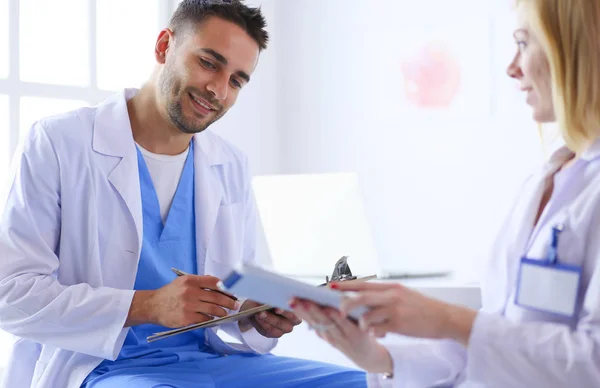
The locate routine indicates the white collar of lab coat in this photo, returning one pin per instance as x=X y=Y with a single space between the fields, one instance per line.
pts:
x=562 y=154
x=113 y=135
x=592 y=152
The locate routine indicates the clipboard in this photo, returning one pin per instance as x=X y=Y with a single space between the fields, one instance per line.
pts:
x=276 y=290
x=254 y=274
x=212 y=323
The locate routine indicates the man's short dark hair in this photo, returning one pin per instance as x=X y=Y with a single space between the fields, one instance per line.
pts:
x=190 y=13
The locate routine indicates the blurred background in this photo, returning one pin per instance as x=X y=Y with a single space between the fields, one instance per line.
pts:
x=411 y=96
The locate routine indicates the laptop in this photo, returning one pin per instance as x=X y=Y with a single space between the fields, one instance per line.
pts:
x=307 y=222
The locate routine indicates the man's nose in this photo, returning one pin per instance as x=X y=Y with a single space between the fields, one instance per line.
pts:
x=218 y=87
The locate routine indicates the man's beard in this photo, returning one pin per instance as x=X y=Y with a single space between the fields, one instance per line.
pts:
x=175 y=113
x=170 y=89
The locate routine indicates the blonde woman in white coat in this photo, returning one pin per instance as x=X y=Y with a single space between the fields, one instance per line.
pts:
x=540 y=321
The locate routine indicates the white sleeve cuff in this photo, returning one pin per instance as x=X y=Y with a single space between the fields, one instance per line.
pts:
x=257 y=342
x=425 y=363
x=114 y=342
x=251 y=338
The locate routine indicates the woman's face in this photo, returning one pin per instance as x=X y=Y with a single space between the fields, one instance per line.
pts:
x=530 y=67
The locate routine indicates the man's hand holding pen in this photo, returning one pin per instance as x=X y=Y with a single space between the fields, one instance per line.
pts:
x=187 y=300
x=192 y=299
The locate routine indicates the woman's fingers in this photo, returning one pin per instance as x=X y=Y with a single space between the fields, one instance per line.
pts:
x=348 y=328
x=331 y=330
x=301 y=312
x=308 y=311
x=369 y=299
x=316 y=312
x=375 y=316
x=381 y=329
x=323 y=320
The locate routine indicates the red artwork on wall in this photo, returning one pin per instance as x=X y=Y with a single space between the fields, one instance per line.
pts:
x=432 y=76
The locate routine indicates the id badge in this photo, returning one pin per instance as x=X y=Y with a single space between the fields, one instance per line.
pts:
x=548 y=287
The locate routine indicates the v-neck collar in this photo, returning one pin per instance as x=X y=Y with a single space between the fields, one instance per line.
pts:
x=183 y=197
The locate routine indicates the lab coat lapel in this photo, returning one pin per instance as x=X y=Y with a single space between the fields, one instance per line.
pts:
x=124 y=179
x=113 y=139
x=208 y=194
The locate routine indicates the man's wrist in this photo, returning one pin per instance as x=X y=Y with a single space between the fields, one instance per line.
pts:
x=140 y=311
x=245 y=325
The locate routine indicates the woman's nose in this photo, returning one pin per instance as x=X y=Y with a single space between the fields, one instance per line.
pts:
x=514 y=70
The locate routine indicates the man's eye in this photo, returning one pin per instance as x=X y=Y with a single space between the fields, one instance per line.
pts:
x=236 y=84
x=207 y=64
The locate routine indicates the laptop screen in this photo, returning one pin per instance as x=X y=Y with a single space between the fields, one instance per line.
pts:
x=309 y=221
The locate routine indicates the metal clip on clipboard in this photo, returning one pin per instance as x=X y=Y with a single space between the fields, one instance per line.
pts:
x=341 y=273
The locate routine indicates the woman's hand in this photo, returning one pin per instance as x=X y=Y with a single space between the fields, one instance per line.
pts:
x=359 y=346
x=398 y=309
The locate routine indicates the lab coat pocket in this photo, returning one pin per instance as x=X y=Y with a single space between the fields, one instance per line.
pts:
x=225 y=248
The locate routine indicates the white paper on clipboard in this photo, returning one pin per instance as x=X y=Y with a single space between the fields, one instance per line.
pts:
x=277 y=290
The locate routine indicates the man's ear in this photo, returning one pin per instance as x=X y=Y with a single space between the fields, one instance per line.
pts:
x=164 y=42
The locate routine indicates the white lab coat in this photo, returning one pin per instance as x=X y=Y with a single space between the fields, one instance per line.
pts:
x=70 y=241
x=511 y=346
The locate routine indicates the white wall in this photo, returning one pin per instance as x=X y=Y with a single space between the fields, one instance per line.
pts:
x=436 y=184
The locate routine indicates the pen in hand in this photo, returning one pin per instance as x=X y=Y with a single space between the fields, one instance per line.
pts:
x=181 y=273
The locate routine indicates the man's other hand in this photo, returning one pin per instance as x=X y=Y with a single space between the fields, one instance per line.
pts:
x=272 y=323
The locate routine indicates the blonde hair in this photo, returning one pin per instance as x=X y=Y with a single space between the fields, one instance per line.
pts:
x=568 y=31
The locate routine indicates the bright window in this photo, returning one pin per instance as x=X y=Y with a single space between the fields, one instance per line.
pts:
x=4 y=39
x=54 y=40
x=4 y=138
x=4 y=156
x=126 y=59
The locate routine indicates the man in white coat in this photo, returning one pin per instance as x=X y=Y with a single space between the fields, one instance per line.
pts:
x=105 y=200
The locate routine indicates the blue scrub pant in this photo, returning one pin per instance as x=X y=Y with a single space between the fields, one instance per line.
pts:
x=233 y=371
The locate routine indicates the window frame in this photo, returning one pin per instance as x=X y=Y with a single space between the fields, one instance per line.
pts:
x=15 y=88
